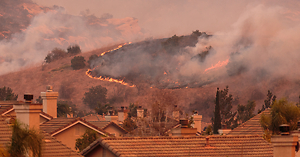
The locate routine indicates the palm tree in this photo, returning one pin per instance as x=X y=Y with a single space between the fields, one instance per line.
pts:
x=24 y=141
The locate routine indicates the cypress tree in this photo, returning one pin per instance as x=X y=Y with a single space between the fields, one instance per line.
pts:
x=217 y=119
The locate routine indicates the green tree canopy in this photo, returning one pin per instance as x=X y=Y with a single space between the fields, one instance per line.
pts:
x=78 y=62
x=24 y=141
x=86 y=139
x=6 y=93
x=282 y=112
x=94 y=96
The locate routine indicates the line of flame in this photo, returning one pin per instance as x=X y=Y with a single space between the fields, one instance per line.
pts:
x=120 y=46
x=108 y=78
x=218 y=65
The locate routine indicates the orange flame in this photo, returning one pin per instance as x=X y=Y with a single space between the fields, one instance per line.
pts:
x=120 y=46
x=218 y=65
x=108 y=79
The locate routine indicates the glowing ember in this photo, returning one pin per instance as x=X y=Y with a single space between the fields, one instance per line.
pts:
x=218 y=65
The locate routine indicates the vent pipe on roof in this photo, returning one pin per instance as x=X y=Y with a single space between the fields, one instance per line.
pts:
x=207 y=142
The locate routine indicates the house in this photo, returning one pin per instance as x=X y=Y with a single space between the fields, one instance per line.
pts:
x=67 y=130
x=29 y=114
x=180 y=146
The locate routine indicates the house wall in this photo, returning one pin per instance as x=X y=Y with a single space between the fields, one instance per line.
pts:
x=100 y=152
x=114 y=130
x=69 y=136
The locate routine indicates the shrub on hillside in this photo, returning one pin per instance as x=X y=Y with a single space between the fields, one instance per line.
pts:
x=55 y=54
x=74 y=50
x=78 y=62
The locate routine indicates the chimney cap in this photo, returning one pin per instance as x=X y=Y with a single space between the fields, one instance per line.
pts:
x=184 y=122
x=28 y=97
x=49 y=88
x=284 y=129
x=140 y=106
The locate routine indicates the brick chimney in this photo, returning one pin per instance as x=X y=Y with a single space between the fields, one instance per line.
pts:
x=197 y=121
x=140 y=112
x=284 y=144
x=28 y=113
x=50 y=101
x=183 y=130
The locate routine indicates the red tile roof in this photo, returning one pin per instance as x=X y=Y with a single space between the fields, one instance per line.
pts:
x=58 y=124
x=254 y=146
x=250 y=127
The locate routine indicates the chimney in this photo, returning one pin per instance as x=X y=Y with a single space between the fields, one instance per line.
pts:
x=183 y=130
x=50 y=101
x=175 y=113
x=28 y=113
x=197 y=121
x=284 y=145
x=140 y=112
x=121 y=116
x=111 y=116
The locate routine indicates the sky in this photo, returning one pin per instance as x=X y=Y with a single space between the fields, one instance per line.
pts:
x=160 y=18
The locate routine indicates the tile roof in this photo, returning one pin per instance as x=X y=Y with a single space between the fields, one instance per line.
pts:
x=248 y=145
x=58 y=124
x=51 y=147
x=104 y=124
x=100 y=124
x=250 y=127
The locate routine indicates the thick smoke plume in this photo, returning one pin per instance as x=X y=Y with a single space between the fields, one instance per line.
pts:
x=52 y=27
x=261 y=51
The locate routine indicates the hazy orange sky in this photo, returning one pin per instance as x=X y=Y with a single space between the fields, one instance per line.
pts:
x=168 y=17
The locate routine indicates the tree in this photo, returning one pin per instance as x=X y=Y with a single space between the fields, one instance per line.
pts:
x=24 y=141
x=55 y=54
x=282 y=112
x=132 y=110
x=208 y=130
x=78 y=62
x=268 y=102
x=6 y=93
x=74 y=50
x=94 y=96
x=100 y=109
x=217 y=114
x=65 y=108
x=129 y=124
x=86 y=139
x=223 y=111
x=245 y=112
